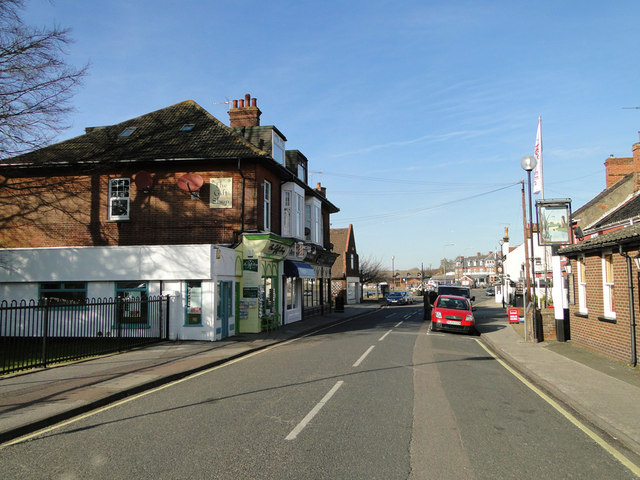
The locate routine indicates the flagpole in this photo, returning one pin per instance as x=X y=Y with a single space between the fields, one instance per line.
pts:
x=540 y=159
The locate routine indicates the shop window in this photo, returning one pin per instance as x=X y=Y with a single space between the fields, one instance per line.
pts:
x=269 y=295
x=291 y=293
x=134 y=296
x=64 y=293
x=193 y=304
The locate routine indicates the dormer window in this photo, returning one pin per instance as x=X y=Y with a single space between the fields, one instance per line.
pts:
x=277 y=150
x=302 y=172
x=127 y=132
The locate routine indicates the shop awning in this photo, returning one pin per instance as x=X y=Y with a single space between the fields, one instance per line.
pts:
x=298 y=269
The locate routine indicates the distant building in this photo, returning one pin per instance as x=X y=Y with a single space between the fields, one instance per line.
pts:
x=345 y=273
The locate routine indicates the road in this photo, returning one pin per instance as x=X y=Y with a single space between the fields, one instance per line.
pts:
x=376 y=397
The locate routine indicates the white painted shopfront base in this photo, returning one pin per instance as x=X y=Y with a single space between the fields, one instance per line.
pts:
x=165 y=269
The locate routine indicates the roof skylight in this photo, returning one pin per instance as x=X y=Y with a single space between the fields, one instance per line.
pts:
x=127 y=132
x=187 y=127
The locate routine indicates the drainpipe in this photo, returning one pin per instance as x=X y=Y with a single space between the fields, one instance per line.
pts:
x=235 y=240
x=634 y=356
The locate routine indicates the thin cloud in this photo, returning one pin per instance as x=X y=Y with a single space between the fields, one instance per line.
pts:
x=424 y=138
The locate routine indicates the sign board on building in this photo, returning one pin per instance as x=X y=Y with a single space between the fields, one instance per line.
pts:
x=250 y=264
x=220 y=192
x=250 y=292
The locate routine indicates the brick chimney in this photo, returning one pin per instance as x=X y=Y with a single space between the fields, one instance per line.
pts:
x=618 y=167
x=245 y=113
x=322 y=190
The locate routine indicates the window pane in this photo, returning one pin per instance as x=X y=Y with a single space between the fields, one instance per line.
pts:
x=194 y=303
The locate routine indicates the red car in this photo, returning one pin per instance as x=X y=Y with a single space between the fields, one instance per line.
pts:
x=452 y=313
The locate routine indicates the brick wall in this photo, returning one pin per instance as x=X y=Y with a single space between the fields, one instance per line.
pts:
x=618 y=167
x=52 y=211
x=592 y=331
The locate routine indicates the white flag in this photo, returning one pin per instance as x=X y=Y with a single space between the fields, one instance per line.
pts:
x=537 y=153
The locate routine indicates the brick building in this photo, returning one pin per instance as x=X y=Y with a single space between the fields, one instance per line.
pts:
x=221 y=217
x=603 y=271
x=345 y=273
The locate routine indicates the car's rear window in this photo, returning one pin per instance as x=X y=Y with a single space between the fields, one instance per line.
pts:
x=461 y=292
x=453 y=303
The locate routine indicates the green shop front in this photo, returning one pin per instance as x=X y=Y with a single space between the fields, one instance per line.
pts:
x=258 y=300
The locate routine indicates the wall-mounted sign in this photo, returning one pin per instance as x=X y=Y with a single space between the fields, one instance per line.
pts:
x=221 y=193
x=276 y=249
x=250 y=292
x=554 y=219
x=250 y=264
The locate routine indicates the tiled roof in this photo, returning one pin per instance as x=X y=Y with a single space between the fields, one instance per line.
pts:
x=598 y=198
x=626 y=211
x=157 y=136
x=622 y=236
x=339 y=238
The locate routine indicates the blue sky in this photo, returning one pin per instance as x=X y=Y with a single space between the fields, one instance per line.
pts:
x=413 y=114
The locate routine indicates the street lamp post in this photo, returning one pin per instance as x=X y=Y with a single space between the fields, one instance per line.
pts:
x=528 y=163
x=393 y=270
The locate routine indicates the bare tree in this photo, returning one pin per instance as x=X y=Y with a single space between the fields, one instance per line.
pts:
x=36 y=84
x=446 y=265
x=371 y=271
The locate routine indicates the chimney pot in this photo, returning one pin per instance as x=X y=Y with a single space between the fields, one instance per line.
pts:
x=254 y=102
x=243 y=114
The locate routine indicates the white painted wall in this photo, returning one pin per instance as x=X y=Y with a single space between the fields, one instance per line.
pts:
x=164 y=268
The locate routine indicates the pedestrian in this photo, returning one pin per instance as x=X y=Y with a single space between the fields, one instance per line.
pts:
x=427 y=305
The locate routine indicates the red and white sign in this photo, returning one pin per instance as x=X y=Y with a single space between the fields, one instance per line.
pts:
x=513 y=315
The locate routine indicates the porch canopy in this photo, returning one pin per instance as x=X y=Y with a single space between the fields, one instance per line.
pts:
x=298 y=269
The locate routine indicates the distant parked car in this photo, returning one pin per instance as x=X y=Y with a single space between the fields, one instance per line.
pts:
x=490 y=292
x=452 y=313
x=396 y=298
x=408 y=297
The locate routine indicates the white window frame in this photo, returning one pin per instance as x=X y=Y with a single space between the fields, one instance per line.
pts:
x=582 y=286
x=292 y=219
x=608 y=284
x=267 y=205
x=286 y=212
x=302 y=172
x=299 y=215
x=317 y=225
x=119 y=191
x=277 y=148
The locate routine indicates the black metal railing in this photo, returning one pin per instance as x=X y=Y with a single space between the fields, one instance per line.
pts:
x=39 y=333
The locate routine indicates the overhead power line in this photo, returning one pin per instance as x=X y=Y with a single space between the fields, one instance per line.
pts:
x=413 y=211
x=399 y=180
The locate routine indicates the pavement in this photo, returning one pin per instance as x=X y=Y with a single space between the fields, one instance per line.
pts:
x=603 y=392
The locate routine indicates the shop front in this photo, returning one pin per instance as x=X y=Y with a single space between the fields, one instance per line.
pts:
x=259 y=297
x=307 y=281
